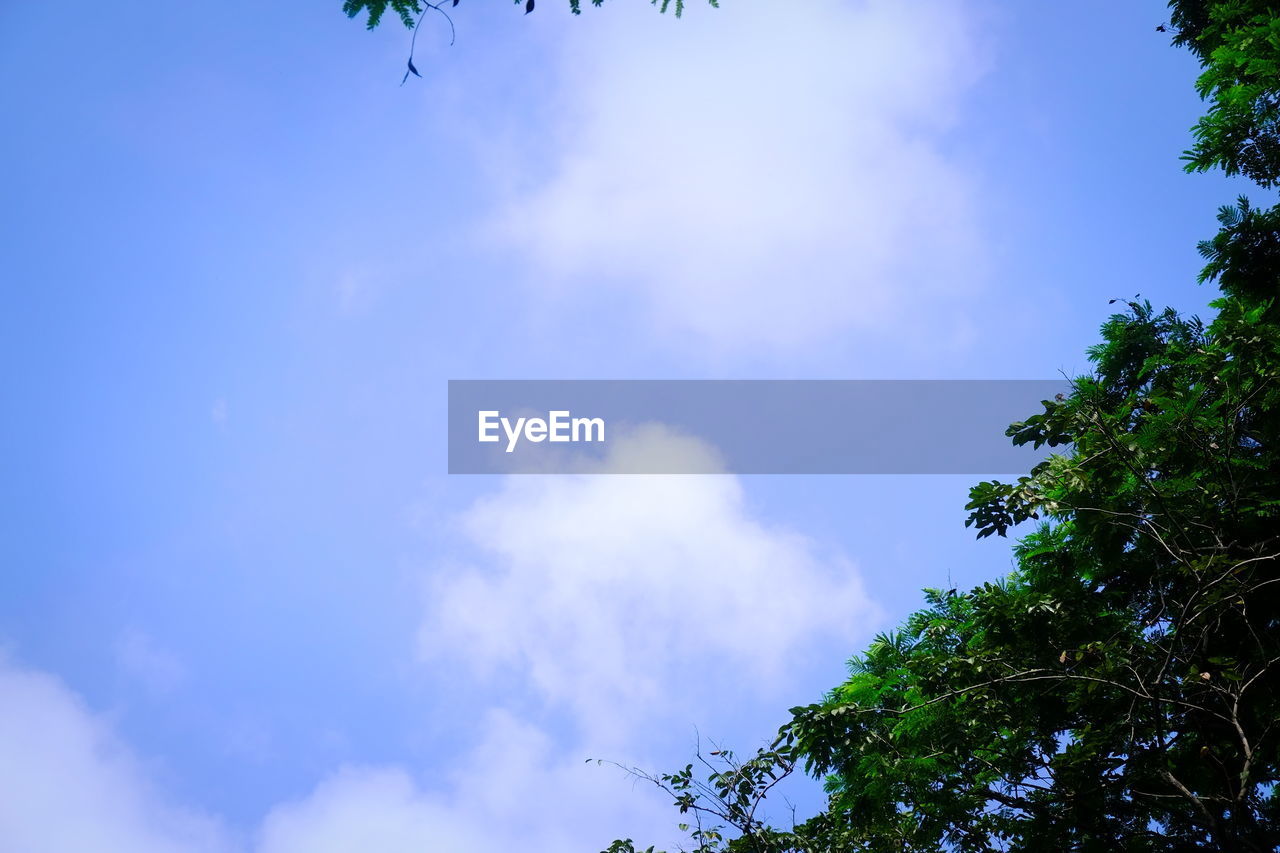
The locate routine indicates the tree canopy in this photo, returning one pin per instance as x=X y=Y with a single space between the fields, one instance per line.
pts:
x=1120 y=690
x=1238 y=43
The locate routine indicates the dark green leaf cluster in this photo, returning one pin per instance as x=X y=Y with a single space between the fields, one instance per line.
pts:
x=1122 y=687
x=1239 y=44
x=406 y=10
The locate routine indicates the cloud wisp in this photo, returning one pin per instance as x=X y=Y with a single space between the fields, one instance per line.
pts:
x=623 y=599
x=69 y=783
x=613 y=610
x=762 y=176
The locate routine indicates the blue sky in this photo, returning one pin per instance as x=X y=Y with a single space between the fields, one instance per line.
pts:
x=243 y=608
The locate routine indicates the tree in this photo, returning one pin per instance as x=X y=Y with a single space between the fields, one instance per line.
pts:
x=1238 y=42
x=1121 y=689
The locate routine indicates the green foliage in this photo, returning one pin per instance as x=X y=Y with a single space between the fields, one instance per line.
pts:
x=408 y=10
x=1244 y=257
x=1239 y=44
x=1120 y=690
x=724 y=807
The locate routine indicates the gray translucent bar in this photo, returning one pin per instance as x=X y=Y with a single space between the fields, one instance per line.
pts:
x=742 y=426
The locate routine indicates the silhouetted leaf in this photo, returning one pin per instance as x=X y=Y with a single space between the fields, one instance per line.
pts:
x=412 y=70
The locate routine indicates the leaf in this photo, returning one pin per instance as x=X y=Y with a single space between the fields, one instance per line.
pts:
x=412 y=70
x=528 y=7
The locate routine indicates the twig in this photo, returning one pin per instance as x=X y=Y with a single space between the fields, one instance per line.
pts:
x=413 y=41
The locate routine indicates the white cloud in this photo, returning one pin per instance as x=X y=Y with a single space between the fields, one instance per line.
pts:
x=619 y=601
x=635 y=605
x=67 y=783
x=624 y=599
x=762 y=175
x=366 y=809
x=514 y=791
